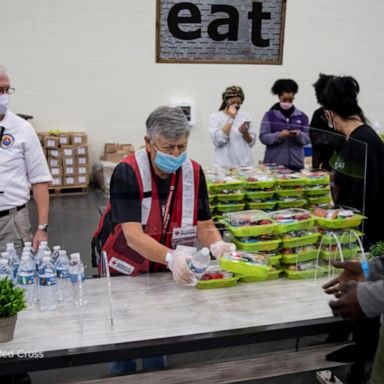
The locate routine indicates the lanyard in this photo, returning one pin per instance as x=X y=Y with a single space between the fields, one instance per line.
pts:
x=1 y=135
x=169 y=206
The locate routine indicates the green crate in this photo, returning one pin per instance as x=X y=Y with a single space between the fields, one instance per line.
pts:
x=334 y=255
x=309 y=274
x=295 y=226
x=289 y=192
x=316 y=192
x=299 y=257
x=251 y=230
x=255 y=195
x=230 y=207
x=230 y=197
x=229 y=186
x=244 y=268
x=217 y=283
x=267 y=245
x=290 y=204
x=300 y=241
x=350 y=222
x=263 y=205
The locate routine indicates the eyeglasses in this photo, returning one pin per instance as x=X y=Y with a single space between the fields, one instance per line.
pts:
x=8 y=91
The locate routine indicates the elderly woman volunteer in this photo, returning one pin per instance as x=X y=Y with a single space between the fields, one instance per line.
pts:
x=284 y=128
x=158 y=200
x=232 y=132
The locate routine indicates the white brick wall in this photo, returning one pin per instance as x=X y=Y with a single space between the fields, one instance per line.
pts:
x=90 y=65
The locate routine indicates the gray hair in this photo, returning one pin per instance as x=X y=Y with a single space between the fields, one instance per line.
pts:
x=168 y=122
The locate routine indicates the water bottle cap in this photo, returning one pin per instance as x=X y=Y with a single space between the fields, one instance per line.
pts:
x=46 y=259
x=28 y=244
x=204 y=251
x=41 y=246
x=75 y=255
x=44 y=242
x=47 y=254
x=62 y=252
x=10 y=245
x=56 y=247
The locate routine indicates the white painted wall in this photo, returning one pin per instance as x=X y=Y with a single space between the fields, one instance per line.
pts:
x=90 y=65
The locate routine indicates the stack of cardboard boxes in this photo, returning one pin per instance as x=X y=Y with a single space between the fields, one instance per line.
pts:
x=67 y=157
x=115 y=152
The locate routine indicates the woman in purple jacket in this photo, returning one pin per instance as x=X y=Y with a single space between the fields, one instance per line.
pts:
x=284 y=128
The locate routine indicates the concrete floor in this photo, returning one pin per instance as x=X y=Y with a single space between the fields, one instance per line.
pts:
x=72 y=222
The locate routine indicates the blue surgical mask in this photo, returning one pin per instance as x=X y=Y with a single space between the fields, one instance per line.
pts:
x=4 y=101
x=168 y=163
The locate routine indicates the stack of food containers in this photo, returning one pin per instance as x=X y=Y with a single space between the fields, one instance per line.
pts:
x=316 y=188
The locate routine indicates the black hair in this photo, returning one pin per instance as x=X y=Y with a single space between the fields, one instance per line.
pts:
x=340 y=96
x=284 y=85
x=320 y=84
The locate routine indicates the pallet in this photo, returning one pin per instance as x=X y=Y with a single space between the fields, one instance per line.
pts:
x=69 y=190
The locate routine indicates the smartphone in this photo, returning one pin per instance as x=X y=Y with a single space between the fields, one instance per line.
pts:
x=246 y=124
x=293 y=133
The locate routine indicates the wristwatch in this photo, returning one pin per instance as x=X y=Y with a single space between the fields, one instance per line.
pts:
x=43 y=227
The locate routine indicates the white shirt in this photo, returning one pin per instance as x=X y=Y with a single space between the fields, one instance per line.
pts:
x=231 y=150
x=22 y=162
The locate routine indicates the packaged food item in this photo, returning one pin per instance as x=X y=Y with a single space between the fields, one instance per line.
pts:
x=292 y=219
x=299 y=238
x=299 y=254
x=337 y=218
x=305 y=270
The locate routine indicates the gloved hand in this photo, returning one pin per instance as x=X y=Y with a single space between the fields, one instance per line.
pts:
x=220 y=247
x=178 y=264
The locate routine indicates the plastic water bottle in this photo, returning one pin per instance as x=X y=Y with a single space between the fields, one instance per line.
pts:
x=64 y=286
x=26 y=278
x=55 y=253
x=39 y=255
x=47 y=284
x=199 y=261
x=13 y=259
x=77 y=276
x=5 y=270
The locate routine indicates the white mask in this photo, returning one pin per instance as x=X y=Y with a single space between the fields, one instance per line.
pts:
x=285 y=106
x=4 y=102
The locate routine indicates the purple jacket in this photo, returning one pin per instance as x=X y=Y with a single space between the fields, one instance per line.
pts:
x=288 y=151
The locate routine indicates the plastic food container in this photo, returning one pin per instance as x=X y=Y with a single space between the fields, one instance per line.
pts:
x=263 y=205
x=229 y=280
x=229 y=207
x=272 y=275
x=233 y=196
x=249 y=223
x=244 y=268
x=344 y=237
x=256 y=245
x=255 y=180
x=324 y=199
x=307 y=274
x=293 y=219
x=252 y=195
x=290 y=192
x=290 y=179
x=300 y=255
x=299 y=238
x=337 y=218
x=219 y=183
x=290 y=203
x=315 y=177
x=348 y=253
x=316 y=190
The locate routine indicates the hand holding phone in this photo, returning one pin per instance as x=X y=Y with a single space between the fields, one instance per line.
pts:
x=293 y=133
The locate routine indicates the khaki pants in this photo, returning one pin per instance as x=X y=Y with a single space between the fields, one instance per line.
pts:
x=378 y=365
x=15 y=228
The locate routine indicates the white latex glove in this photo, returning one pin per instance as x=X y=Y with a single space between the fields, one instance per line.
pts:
x=178 y=264
x=220 y=247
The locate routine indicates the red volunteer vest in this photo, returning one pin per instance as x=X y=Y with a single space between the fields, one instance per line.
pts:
x=124 y=260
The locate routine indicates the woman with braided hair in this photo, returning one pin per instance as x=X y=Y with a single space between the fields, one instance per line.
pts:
x=232 y=131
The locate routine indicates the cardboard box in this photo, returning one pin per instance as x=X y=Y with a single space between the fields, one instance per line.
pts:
x=56 y=182
x=114 y=157
x=51 y=141
x=82 y=179
x=68 y=150
x=56 y=171
x=111 y=147
x=127 y=148
x=53 y=153
x=64 y=138
x=53 y=162
x=69 y=180
x=81 y=150
x=69 y=161
x=82 y=170
x=69 y=171
x=82 y=160
x=78 y=138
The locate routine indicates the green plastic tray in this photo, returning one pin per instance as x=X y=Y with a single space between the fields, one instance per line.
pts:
x=299 y=257
x=259 y=195
x=273 y=260
x=309 y=274
x=230 y=207
x=254 y=230
x=347 y=254
x=316 y=192
x=328 y=239
x=317 y=181
x=300 y=241
x=264 y=205
x=259 y=184
x=244 y=268
x=217 y=283
x=268 y=245
x=351 y=222
x=319 y=200
x=230 y=197
x=291 y=182
x=289 y=192
x=254 y=279
x=296 y=226
x=290 y=204
x=211 y=198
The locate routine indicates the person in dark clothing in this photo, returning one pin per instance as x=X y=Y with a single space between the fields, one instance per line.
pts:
x=358 y=182
x=323 y=138
x=284 y=128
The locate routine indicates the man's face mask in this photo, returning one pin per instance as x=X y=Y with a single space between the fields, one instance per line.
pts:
x=4 y=102
x=168 y=163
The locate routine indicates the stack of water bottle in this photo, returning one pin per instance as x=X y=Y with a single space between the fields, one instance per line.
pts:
x=48 y=278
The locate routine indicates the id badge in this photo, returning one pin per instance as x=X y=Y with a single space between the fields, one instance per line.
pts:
x=184 y=236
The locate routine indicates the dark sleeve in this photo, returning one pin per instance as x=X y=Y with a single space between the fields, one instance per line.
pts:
x=204 y=213
x=125 y=195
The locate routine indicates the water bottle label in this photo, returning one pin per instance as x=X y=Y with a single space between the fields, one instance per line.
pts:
x=63 y=273
x=26 y=280
x=47 y=281
x=75 y=278
x=195 y=269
